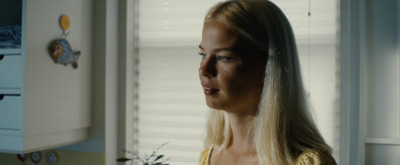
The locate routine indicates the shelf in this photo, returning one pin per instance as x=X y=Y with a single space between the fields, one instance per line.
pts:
x=10 y=91
x=10 y=51
x=390 y=141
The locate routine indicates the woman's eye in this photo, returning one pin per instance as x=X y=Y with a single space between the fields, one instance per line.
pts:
x=224 y=59
x=203 y=55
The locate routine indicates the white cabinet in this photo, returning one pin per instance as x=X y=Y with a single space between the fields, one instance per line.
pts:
x=43 y=104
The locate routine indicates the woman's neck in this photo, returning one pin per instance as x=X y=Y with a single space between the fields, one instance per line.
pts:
x=240 y=150
x=242 y=132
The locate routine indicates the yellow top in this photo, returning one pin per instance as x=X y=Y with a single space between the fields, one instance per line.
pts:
x=309 y=157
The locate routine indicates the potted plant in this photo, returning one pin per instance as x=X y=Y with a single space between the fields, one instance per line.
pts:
x=153 y=159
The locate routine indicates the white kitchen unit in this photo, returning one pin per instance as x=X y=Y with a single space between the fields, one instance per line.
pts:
x=43 y=104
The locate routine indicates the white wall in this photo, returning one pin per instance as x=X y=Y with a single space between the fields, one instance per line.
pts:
x=113 y=24
x=57 y=97
x=380 y=75
x=370 y=82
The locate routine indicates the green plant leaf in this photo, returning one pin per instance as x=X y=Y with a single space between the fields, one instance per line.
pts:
x=159 y=157
x=123 y=159
x=159 y=163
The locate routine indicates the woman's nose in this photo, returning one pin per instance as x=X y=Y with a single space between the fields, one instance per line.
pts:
x=208 y=67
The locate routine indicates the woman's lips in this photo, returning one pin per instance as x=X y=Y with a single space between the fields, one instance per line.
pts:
x=208 y=90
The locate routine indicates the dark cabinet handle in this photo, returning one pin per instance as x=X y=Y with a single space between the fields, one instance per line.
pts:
x=4 y=95
x=1 y=56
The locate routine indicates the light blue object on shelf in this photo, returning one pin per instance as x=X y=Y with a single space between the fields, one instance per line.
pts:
x=10 y=36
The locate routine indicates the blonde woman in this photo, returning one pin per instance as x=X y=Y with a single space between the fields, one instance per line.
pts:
x=251 y=79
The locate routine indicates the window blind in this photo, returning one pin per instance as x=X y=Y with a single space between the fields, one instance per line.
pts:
x=171 y=102
x=317 y=38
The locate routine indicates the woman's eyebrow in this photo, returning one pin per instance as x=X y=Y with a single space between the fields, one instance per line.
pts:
x=220 y=49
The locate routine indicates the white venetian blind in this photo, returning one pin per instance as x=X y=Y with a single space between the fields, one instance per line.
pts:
x=317 y=38
x=171 y=102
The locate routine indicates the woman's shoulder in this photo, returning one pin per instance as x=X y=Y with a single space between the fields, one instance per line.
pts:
x=205 y=156
x=313 y=157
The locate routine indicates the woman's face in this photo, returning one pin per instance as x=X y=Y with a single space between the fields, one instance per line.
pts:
x=231 y=70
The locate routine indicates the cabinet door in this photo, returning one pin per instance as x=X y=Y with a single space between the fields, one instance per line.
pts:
x=10 y=71
x=10 y=112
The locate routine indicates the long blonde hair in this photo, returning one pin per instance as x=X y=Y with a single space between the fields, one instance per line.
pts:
x=283 y=127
